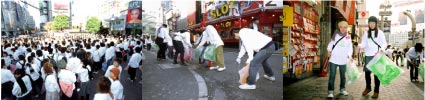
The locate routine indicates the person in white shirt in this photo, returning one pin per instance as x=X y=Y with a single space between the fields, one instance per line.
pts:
x=373 y=42
x=110 y=54
x=6 y=58
x=389 y=52
x=22 y=86
x=66 y=82
x=51 y=84
x=414 y=57
x=254 y=24
x=7 y=80
x=97 y=59
x=254 y=41
x=340 y=50
x=74 y=63
x=116 y=87
x=117 y=64
x=104 y=89
x=33 y=69
x=162 y=39
x=133 y=64
x=102 y=51
x=179 y=38
x=83 y=74
x=215 y=39
x=201 y=38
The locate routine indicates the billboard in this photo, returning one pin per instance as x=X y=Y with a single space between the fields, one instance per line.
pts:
x=219 y=9
x=134 y=15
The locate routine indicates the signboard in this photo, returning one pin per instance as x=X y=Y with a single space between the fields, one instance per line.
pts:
x=288 y=16
x=364 y=14
x=134 y=15
x=250 y=5
x=272 y=4
x=219 y=9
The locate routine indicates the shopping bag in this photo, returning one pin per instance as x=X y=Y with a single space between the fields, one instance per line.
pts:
x=352 y=72
x=421 y=70
x=188 y=54
x=210 y=53
x=384 y=68
x=243 y=74
x=198 y=51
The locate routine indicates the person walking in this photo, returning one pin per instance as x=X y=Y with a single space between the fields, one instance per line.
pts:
x=103 y=89
x=161 y=35
x=178 y=45
x=22 y=86
x=116 y=87
x=51 y=83
x=254 y=41
x=373 y=42
x=339 y=49
x=134 y=63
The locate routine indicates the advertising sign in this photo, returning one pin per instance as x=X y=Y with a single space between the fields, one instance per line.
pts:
x=134 y=15
x=219 y=9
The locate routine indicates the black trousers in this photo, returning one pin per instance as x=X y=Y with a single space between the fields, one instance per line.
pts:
x=413 y=71
x=178 y=45
x=368 y=82
x=132 y=73
x=149 y=46
x=162 y=48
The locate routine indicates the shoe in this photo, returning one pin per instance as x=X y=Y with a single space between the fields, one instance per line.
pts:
x=343 y=92
x=211 y=68
x=330 y=94
x=375 y=95
x=366 y=91
x=221 y=69
x=270 y=78
x=246 y=86
x=184 y=64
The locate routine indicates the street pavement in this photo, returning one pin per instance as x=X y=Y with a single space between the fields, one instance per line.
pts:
x=163 y=80
x=315 y=88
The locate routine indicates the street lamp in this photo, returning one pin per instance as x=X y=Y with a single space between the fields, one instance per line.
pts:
x=384 y=6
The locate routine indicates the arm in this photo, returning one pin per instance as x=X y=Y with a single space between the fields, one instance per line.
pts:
x=242 y=51
x=350 y=48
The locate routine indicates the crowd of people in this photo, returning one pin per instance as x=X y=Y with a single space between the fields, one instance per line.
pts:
x=63 y=68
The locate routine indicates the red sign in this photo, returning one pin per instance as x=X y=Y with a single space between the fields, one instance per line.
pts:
x=363 y=14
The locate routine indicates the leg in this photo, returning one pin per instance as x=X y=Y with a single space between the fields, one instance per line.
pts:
x=342 y=69
x=267 y=69
x=332 y=72
x=411 y=71
x=131 y=72
x=256 y=63
x=416 y=72
x=377 y=83
x=220 y=57
x=367 y=77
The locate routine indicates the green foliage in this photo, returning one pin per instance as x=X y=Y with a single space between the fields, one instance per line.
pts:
x=60 y=21
x=93 y=24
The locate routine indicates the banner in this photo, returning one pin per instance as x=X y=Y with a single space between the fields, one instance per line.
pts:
x=134 y=15
x=219 y=9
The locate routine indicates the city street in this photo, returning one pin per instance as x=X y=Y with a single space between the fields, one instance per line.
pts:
x=315 y=88
x=163 y=80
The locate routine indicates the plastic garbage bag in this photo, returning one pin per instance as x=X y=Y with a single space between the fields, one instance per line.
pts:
x=421 y=70
x=384 y=68
x=244 y=73
x=210 y=53
x=198 y=51
x=352 y=72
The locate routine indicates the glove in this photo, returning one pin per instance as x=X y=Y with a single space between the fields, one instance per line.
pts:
x=238 y=60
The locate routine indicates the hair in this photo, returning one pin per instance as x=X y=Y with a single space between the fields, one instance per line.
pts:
x=48 y=68
x=103 y=85
x=138 y=49
x=340 y=23
x=21 y=57
x=369 y=32
x=118 y=60
x=164 y=25
x=39 y=53
x=419 y=47
x=3 y=65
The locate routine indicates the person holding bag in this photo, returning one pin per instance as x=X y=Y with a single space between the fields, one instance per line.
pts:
x=414 y=57
x=339 y=49
x=373 y=42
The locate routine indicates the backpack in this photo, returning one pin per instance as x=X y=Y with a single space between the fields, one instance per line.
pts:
x=53 y=62
x=61 y=63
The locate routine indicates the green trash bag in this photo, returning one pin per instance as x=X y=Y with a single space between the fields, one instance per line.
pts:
x=421 y=70
x=384 y=68
x=198 y=51
x=352 y=72
x=210 y=53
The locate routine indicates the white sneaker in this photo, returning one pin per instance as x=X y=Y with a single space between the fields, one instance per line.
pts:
x=246 y=86
x=331 y=94
x=270 y=78
x=343 y=92
x=216 y=67
x=221 y=69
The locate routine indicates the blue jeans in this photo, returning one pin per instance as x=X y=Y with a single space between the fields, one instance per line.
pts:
x=260 y=59
x=332 y=72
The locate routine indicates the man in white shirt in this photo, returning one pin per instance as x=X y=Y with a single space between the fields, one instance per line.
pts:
x=102 y=51
x=96 y=59
x=255 y=41
x=215 y=39
x=117 y=64
x=254 y=24
x=134 y=62
x=110 y=54
x=7 y=80
x=161 y=40
x=414 y=57
x=74 y=63
x=22 y=86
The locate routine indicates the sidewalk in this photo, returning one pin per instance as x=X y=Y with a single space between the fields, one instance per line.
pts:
x=315 y=88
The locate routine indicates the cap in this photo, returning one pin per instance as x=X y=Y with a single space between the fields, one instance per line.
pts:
x=373 y=19
x=115 y=71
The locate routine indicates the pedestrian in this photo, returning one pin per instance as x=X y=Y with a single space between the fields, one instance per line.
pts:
x=215 y=39
x=414 y=57
x=178 y=45
x=110 y=54
x=254 y=41
x=148 y=43
x=170 y=46
x=51 y=83
x=134 y=63
x=116 y=87
x=97 y=64
x=22 y=86
x=84 y=76
x=7 y=80
x=103 y=89
x=66 y=83
x=32 y=69
x=373 y=42
x=340 y=50
x=254 y=24
x=117 y=64
x=161 y=35
x=202 y=38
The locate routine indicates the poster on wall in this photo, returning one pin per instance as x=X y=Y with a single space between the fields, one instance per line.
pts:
x=61 y=8
x=219 y=9
x=402 y=18
x=134 y=15
x=419 y=15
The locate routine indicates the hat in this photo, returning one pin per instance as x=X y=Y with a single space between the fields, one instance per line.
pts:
x=373 y=19
x=419 y=46
x=115 y=71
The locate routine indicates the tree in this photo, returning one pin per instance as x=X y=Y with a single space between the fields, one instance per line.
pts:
x=60 y=22
x=93 y=24
x=48 y=26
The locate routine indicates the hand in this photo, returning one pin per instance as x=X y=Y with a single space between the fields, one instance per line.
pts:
x=238 y=60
